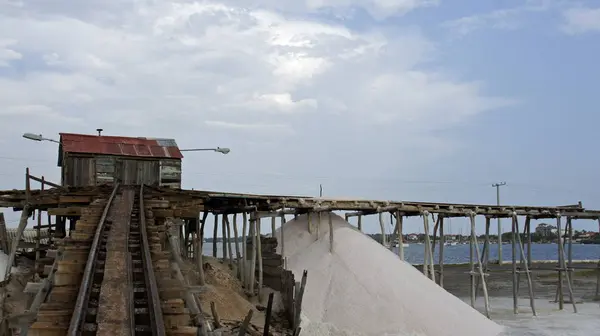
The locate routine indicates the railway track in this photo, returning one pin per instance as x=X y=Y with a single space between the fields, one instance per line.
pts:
x=112 y=276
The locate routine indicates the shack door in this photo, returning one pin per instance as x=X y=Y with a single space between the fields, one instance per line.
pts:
x=136 y=172
x=148 y=172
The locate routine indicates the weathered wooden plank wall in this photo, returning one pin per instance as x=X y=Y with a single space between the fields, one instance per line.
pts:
x=81 y=171
x=170 y=173
x=105 y=169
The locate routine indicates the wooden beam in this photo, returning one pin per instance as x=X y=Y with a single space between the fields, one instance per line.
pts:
x=74 y=199
x=15 y=243
x=68 y=211
x=44 y=182
x=178 y=213
x=32 y=287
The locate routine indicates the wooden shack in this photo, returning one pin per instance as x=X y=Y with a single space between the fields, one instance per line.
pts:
x=89 y=160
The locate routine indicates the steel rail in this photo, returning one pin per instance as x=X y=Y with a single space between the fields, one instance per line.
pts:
x=158 y=327
x=84 y=288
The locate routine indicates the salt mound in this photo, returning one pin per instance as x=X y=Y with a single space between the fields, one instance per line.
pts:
x=362 y=288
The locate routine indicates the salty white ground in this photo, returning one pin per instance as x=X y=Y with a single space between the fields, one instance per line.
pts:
x=363 y=289
x=549 y=322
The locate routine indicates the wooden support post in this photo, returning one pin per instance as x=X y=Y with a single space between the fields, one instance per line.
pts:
x=360 y=223
x=308 y=222
x=597 y=296
x=252 y=237
x=224 y=234
x=268 y=315
x=563 y=268
x=15 y=242
x=282 y=236
x=570 y=247
x=190 y=301
x=435 y=230
x=273 y=226
x=431 y=263
x=330 y=219
x=253 y=229
x=186 y=239
x=428 y=267
x=27 y=185
x=441 y=258
x=260 y=260
x=394 y=233
x=485 y=258
x=524 y=265
x=72 y=225
x=38 y=234
x=4 y=327
x=238 y=257
x=199 y=254
x=528 y=230
x=245 y=323
x=181 y=240
x=482 y=275
x=319 y=222
x=244 y=250
x=298 y=300
x=382 y=227
x=4 y=242
x=514 y=266
x=559 y=288
x=472 y=267
x=229 y=249
x=215 y=230
x=400 y=222
x=215 y=315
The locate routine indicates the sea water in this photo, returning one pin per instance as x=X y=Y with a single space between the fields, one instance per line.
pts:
x=460 y=253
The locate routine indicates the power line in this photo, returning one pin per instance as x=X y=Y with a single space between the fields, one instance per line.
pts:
x=12 y=158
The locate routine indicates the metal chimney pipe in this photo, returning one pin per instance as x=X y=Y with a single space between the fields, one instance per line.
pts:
x=99 y=131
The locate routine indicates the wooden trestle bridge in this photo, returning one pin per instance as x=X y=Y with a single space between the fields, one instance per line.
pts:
x=117 y=269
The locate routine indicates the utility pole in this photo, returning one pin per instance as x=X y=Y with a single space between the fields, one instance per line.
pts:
x=497 y=186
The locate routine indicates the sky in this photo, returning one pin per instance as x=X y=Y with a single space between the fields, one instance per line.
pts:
x=421 y=100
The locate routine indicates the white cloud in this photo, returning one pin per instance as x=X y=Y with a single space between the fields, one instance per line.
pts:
x=377 y=8
x=6 y=54
x=504 y=18
x=581 y=20
x=217 y=73
x=250 y=127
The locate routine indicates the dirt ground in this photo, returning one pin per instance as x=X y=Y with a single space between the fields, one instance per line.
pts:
x=231 y=302
x=16 y=301
x=544 y=279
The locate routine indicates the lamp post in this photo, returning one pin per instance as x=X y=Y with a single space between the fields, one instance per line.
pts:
x=38 y=137
x=222 y=150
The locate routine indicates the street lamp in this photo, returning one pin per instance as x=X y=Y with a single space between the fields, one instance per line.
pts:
x=223 y=150
x=38 y=137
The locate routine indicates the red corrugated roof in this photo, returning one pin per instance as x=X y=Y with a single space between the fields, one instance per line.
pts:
x=125 y=146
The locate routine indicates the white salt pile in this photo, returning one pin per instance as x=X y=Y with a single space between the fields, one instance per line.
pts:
x=363 y=289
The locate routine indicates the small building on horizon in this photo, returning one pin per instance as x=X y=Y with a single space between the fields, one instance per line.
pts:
x=91 y=160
